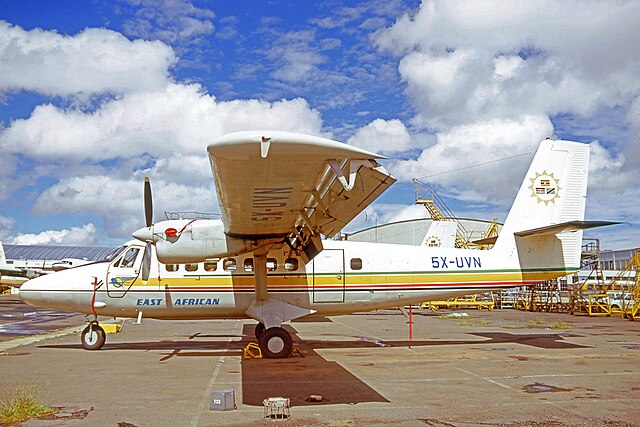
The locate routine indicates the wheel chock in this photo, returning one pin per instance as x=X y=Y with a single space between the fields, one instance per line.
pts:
x=111 y=328
x=252 y=351
x=296 y=353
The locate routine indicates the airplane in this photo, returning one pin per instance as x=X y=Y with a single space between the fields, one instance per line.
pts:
x=266 y=260
x=10 y=275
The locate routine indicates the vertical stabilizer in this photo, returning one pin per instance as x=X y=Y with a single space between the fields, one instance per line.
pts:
x=441 y=234
x=553 y=192
x=3 y=259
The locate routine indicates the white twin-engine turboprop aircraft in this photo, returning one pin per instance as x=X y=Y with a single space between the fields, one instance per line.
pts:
x=279 y=193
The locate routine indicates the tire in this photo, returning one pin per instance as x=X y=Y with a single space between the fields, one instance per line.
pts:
x=260 y=328
x=93 y=337
x=276 y=343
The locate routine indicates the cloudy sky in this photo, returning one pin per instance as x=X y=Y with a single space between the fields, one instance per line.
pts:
x=95 y=95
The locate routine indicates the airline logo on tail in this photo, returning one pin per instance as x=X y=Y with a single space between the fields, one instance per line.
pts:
x=545 y=187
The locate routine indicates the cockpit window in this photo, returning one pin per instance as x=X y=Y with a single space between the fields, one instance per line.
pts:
x=114 y=253
x=129 y=258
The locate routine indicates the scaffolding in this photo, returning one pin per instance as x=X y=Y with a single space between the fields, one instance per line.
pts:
x=550 y=296
x=625 y=288
x=590 y=295
x=439 y=211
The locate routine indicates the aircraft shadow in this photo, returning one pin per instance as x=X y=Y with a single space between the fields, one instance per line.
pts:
x=299 y=377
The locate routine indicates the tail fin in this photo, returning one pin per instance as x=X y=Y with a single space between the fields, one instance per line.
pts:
x=553 y=192
x=3 y=259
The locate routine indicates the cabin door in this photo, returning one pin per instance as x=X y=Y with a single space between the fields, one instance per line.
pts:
x=328 y=276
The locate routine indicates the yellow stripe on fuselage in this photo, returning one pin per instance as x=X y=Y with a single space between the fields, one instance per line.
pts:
x=358 y=280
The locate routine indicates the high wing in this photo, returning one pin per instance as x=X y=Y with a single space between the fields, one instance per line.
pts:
x=272 y=184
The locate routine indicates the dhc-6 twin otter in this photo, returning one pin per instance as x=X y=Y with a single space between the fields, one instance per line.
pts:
x=279 y=192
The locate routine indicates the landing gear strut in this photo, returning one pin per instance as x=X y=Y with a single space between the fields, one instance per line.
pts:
x=93 y=337
x=275 y=343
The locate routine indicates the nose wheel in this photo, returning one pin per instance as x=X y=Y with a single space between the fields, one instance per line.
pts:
x=93 y=337
x=275 y=343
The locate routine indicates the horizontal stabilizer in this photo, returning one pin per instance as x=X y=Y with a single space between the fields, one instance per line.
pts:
x=564 y=228
x=486 y=241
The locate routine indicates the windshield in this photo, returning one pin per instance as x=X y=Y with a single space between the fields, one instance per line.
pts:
x=115 y=253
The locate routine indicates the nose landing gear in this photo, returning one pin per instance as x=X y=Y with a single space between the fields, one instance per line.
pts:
x=93 y=336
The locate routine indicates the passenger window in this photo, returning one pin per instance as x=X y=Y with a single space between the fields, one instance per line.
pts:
x=191 y=267
x=229 y=264
x=291 y=264
x=356 y=264
x=171 y=267
x=211 y=266
x=272 y=264
x=129 y=258
x=248 y=264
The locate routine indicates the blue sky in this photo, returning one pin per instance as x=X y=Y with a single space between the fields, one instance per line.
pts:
x=96 y=95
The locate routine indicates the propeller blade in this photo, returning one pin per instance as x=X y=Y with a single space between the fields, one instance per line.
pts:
x=148 y=202
x=146 y=262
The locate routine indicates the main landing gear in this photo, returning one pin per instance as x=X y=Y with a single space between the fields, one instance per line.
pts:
x=93 y=336
x=275 y=343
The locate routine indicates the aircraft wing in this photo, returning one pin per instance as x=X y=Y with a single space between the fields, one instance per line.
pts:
x=273 y=184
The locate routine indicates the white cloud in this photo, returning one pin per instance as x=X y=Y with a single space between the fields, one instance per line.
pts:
x=296 y=59
x=446 y=162
x=489 y=77
x=176 y=121
x=462 y=61
x=85 y=235
x=382 y=136
x=93 y=61
x=7 y=226
x=172 y=21
x=120 y=201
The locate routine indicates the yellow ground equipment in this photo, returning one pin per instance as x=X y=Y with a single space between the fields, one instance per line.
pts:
x=626 y=285
x=252 y=351
x=621 y=295
x=111 y=328
x=550 y=296
x=479 y=301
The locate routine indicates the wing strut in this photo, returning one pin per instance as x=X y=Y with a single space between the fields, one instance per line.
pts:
x=260 y=273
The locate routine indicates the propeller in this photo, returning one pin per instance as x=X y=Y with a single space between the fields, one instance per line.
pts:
x=148 y=202
x=148 y=216
x=146 y=262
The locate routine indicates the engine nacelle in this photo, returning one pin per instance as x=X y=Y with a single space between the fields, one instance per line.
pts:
x=186 y=241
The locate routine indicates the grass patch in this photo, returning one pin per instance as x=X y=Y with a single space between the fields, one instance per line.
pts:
x=561 y=325
x=23 y=406
x=474 y=322
x=535 y=322
x=512 y=327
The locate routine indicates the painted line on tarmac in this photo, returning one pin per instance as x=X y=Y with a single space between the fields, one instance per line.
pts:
x=489 y=380
x=7 y=345
x=206 y=396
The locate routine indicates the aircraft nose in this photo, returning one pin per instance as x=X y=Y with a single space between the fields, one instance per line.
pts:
x=143 y=234
x=31 y=290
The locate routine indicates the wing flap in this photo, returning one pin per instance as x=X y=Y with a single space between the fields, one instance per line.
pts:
x=333 y=205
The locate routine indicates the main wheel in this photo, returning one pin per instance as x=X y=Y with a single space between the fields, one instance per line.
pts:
x=93 y=337
x=276 y=343
x=260 y=328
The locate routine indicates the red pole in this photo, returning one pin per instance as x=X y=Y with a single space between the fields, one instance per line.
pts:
x=410 y=323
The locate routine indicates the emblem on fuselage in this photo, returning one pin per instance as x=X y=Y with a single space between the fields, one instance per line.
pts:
x=545 y=187
x=119 y=282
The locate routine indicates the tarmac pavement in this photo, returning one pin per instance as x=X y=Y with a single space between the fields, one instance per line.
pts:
x=500 y=368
